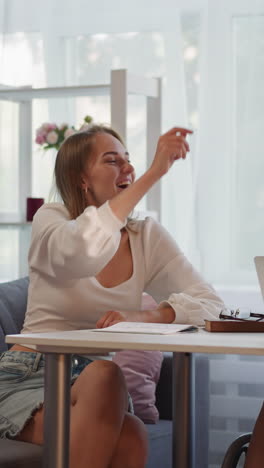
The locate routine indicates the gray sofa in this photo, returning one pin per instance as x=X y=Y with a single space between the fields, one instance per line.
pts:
x=13 y=454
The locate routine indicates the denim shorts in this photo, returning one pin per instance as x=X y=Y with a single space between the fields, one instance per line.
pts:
x=22 y=387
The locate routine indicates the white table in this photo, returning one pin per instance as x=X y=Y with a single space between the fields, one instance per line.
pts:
x=58 y=347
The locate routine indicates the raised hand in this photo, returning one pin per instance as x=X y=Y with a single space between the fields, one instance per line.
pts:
x=171 y=146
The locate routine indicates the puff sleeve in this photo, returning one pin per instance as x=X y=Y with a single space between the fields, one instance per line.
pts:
x=171 y=279
x=70 y=249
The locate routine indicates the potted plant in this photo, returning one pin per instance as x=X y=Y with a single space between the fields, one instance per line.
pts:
x=50 y=136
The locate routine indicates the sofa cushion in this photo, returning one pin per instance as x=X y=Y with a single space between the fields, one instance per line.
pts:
x=141 y=370
x=160 y=441
x=14 y=454
x=13 y=304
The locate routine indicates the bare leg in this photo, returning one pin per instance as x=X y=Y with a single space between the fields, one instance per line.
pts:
x=98 y=408
x=132 y=447
x=255 y=455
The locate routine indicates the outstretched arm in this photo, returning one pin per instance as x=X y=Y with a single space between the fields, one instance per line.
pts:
x=171 y=146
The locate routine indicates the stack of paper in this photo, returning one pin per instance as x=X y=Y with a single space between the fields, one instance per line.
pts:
x=152 y=328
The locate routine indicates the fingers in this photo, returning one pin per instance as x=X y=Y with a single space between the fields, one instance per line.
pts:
x=170 y=147
x=177 y=136
x=180 y=141
x=103 y=320
x=179 y=155
x=174 y=145
x=179 y=131
x=109 y=318
x=113 y=322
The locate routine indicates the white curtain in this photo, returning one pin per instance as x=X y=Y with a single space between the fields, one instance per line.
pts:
x=229 y=186
x=202 y=198
x=177 y=188
x=210 y=55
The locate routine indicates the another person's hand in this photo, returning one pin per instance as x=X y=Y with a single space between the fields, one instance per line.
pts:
x=171 y=146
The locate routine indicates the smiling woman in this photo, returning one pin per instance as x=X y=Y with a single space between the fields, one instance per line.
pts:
x=89 y=269
x=201 y=50
x=109 y=171
x=93 y=151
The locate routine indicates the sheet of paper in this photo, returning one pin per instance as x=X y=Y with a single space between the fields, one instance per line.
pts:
x=152 y=328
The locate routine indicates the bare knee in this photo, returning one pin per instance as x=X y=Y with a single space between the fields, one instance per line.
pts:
x=101 y=381
x=105 y=374
x=107 y=371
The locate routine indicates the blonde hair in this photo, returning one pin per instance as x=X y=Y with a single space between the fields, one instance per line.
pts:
x=70 y=163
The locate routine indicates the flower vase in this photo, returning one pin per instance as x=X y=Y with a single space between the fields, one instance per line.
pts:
x=33 y=204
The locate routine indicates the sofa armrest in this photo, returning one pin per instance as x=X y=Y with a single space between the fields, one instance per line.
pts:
x=13 y=304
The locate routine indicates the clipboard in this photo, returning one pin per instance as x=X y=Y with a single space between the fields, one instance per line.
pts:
x=249 y=326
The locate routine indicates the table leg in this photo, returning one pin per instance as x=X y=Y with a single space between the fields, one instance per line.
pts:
x=57 y=410
x=183 y=411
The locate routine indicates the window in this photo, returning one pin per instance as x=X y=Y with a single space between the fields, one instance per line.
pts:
x=201 y=51
x=248 y=165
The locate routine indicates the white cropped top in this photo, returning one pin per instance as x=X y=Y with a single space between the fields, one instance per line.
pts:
x=65 y=256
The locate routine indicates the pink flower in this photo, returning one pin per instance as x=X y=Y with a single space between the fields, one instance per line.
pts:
x=69 y=132
x=52 y=127
x=50 y=135
x=40 y=138
x=52 y=138
x=47 y=127
x=44 y=127
x=41 y=131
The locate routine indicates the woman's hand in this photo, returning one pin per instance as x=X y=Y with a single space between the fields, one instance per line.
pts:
x=171 y=146
x=161 y=315
x=114 y=316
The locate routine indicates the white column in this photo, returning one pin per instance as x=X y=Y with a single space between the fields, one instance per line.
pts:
x=25 y=155
x=153 y=133
x=119 y=102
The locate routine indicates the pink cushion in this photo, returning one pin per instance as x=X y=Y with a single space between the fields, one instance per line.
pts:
x=141 y=370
